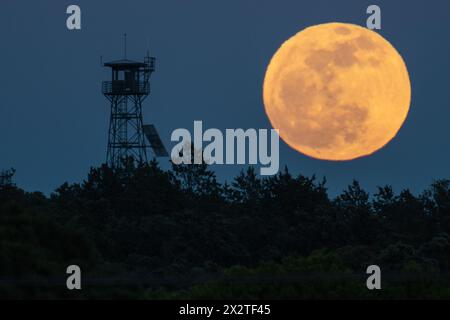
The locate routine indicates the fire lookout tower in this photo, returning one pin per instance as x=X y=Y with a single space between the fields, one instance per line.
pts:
x=128 y=88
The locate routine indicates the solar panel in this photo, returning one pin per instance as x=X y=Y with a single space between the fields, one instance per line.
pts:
x=155 y=141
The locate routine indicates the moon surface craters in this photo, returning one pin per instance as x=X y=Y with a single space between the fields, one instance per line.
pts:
x=322 y=126
x=337 y=91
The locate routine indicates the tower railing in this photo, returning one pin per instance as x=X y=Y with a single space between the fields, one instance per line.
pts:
x=150 y=63
x=121 y=87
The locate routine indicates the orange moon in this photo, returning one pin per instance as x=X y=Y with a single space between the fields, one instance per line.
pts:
x=337 y=91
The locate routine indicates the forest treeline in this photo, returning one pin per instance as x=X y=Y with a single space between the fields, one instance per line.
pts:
x=146 y=223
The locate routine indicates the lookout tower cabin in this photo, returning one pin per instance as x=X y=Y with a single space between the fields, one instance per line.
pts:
x=129 y=77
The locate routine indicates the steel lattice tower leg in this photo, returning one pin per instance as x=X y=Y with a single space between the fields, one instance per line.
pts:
x=126 y=138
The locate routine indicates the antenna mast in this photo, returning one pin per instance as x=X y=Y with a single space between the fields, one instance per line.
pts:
x=125 y=45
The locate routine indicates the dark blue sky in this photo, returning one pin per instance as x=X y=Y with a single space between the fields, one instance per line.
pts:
x=212 y=57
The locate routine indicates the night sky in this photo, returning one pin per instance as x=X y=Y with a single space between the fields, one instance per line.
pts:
x=211 y=61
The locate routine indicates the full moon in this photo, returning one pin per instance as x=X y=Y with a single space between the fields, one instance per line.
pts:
x=337 y=91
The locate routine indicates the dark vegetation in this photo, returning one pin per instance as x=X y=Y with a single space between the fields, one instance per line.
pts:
x=148 y=233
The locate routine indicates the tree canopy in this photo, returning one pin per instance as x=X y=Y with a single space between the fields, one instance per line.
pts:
x=146 y=223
